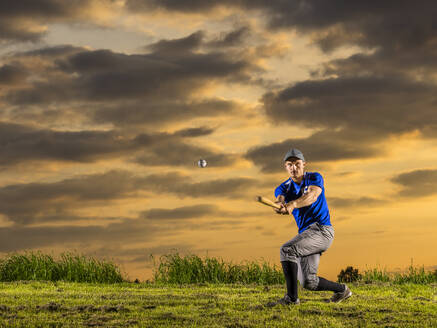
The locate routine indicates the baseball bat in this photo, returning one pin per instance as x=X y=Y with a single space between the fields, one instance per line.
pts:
x=266 y=201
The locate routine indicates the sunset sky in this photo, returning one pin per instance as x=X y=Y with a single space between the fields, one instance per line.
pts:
x=107 y=105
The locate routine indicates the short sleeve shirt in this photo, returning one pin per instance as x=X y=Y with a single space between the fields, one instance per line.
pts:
x=317 y=211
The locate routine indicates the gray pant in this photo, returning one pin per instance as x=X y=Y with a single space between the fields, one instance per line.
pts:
x=305 y=250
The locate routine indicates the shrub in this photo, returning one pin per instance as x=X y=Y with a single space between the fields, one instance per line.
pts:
x=349 y=275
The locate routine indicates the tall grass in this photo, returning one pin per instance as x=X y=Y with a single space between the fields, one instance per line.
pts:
x=70 y=267
x=173 y=268
x=417 y=275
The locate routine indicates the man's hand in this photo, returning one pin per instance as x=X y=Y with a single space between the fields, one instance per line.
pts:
x=283 y=209
x=290 y=207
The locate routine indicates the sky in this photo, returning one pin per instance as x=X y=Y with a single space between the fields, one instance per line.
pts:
x=107 y=105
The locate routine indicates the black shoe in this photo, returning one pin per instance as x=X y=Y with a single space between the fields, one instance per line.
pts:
x=340 y=296
x=286 y=300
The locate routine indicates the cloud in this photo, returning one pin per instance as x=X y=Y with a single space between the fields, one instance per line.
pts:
x=11 y=74
x=164 y=85
x=380 y=106
x=340 y=202
x=176 y=46
x=162 y=111
x=27 y=20
x=186 y=212
x=195 y=212
x=182 y=186
x=354 y=116
x=147 y=228
x=418 y=183
x=323 y=146
x=231 y=39
x=21 y=143
x=58 y=201
x=332 y=24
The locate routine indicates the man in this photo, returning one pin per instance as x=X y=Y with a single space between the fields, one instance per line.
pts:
x=303 y=195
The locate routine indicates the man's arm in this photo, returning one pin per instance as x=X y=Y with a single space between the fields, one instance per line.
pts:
x=281 y=200
x=304 y=200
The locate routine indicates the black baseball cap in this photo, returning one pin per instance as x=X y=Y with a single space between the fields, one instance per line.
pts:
x=294 y=153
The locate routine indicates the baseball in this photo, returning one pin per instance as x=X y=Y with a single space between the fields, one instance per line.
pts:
x=202 y=163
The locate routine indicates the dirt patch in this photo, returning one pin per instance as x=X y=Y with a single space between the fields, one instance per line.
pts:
x=256 y=307
x=4 y=308
x=117 y=308
x=203 y=295
x=236 y=325
x=170 y=316
x=84 y=308
x=218 y=314
x=97 y=322
x=421 y=298
x=311 y=311
x=51 y=307
x=276 y=317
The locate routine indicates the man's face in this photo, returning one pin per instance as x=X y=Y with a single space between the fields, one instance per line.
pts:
x=295 y=167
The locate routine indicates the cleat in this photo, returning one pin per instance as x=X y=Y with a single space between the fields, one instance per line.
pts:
x=286 y=300
x=340 y=296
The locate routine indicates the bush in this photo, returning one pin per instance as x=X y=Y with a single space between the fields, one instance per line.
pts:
x=349 y=275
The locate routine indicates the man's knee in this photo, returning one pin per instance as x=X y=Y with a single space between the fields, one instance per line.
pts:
x=311 y=282
x=288 y=253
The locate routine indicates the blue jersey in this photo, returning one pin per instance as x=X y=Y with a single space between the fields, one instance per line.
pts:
x=317 y=211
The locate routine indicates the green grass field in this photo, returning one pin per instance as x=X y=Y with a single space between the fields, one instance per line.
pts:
x=67 y=304
x=37 y=290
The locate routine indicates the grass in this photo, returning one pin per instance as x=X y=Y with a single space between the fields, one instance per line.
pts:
x=67 y=304
x=188 y=291
x=417 y=275
x=173 y=268
x=70 y=267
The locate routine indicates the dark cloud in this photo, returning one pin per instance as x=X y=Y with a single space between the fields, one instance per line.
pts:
x=355 y=114
x=163 y=111
x=418 y=183
x=323 y=146
x=371 y=24
x=340 y=202
x=18 y=237
x=125 y=90
x=173 y=153
x=177 y=46
x=379 y=106
x=10 y=75
x=194 y=132
x=25 y=20
x=20 y=143
x=186 y=212
x=57 y=201
x=48 y=202
x=194 y=212
x=182 y=186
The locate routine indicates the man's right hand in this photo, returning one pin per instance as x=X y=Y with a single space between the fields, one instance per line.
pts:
x=282 y=210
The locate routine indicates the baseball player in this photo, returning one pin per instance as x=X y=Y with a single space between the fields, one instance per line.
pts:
x=303 y=195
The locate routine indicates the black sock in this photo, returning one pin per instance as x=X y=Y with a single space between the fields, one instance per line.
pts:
x=329 y=285
x=290 y=273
